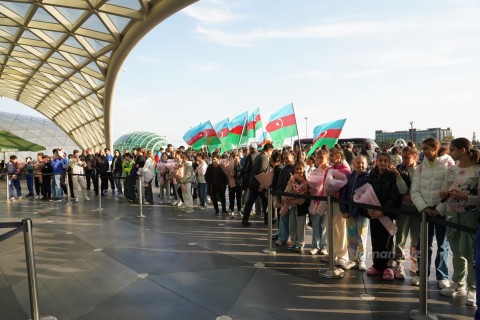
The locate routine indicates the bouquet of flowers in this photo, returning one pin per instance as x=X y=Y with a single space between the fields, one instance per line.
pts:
x=334 y=181
x=296 y=184
x=366 y=195
x=315 y=184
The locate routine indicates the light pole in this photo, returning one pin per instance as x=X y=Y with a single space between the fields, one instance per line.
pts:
x=306 y=127
x=411 y=130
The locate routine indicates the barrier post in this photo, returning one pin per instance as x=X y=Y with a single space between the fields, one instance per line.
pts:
x=270 y=223
x=100 y=192
x=331 y=272
x=422 y=312
x=32 y=277
x=140 y=197
x=8 y=189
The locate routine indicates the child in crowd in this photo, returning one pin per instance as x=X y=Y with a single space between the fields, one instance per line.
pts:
x=296 y=184
x=317 y=208
x=406 y=224
x=460 y=192
x=384 y=184
x=342 y=168
x=357 y=221
x=297 y=208
x=426 y=186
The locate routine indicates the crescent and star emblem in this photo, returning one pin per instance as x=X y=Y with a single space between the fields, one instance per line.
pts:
x=279 y=123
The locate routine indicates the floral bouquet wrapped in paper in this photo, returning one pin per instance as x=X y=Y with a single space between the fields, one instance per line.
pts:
x=334 y=181
x=296 y=184
x=366 y=195
x=315 y=185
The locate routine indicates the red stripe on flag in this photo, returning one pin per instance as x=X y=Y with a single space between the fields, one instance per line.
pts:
x=281 y=123
x=202 y=134
x=251 y=125
x=329 y=133
x=237 y=130
x=223 y=133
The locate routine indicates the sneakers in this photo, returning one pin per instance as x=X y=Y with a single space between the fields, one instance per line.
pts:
x=452 y=291
x=298 y=248
x=362 y=266
x=442 y=284
x=388 y=274
x=179 y=204
x=323 y=252
x=12 y=199
x=87 y=198
x=416 y=281
x=313 y=252
x=341 y=263
x=399 y=272
x=471 y=298
x=189 y=210
x=373 y=272
x=352 y=264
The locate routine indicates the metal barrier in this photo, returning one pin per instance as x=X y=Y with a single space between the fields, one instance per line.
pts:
x=335 y=273
x=26 y=227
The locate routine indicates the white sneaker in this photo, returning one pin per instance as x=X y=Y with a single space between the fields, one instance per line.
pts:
x=471 y=298
x=416 y=281
x=341 y=263
x=174 y=203
x=12 y=199
x=442 y=284
x=352 y=264
x=362 y=266
x=453 y=291
x=87 y=198
x=323 y=252
x=180 y=203
x=314 y=251
x=399 y=272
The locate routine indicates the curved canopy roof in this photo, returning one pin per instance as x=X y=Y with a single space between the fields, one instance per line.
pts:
x=62 y=57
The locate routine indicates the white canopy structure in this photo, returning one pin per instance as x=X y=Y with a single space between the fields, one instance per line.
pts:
x=62 y=57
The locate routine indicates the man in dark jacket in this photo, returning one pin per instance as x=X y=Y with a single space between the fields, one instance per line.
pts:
x=261 y=164
x=217 y=184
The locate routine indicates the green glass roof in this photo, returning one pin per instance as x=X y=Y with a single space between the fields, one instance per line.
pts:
x=140 y=139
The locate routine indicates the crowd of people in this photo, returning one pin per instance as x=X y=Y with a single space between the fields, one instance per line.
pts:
x=443 y=182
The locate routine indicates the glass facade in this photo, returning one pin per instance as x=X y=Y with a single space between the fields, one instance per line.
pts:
x=37 y=130
x=140 y=139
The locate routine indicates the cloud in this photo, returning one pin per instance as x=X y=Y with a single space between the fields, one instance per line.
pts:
x=205 y=67
x=212 y=12
x=327 y=30
x=315 y=75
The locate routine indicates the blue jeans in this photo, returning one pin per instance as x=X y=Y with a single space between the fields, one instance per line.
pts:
x=202 y=193
x=283 y=231
x=57 y=187
x=118 y=182
x=441 y=260
x=29 y=178
x=319 y=240
x=15 y=183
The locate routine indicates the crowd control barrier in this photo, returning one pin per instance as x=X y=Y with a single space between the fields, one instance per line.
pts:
x=68 y=193
x=26 y=226
x=422 y=312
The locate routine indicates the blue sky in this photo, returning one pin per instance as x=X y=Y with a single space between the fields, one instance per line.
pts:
x=380 y=64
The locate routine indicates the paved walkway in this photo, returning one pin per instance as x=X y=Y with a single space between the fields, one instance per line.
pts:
x=113 y=265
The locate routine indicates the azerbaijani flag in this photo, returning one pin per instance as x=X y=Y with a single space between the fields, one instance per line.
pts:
x=221 y=128
x=201 y=135
x=282 y=125
x=236 y=128
x=326 y=134
x=254 y=124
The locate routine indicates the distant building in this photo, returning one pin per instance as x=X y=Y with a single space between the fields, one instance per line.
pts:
x=413 y=134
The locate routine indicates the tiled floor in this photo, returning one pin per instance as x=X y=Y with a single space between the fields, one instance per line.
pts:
x=113 y=265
